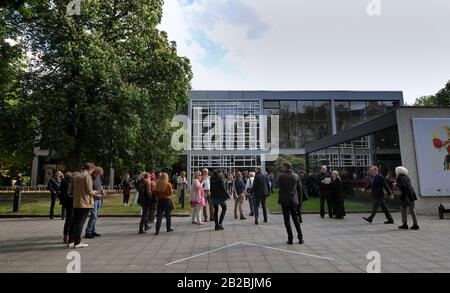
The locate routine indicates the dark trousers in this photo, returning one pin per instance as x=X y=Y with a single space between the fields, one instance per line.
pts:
x=68 y=207
x=152 y=211
x=126 y=197
x=79 y=218
x=52 y=205
x=145 y=215
x=339 y=207
x=182 y=195
x=218 y=220
x=326 y=196
x=164 y=207
x=260 y=201
x=291 y=212
x=379 y=202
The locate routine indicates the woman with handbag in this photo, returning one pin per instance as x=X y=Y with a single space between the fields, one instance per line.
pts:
x=408 y=197
x=164 y=194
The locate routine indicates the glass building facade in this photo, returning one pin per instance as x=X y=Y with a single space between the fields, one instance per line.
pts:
x=304 y=116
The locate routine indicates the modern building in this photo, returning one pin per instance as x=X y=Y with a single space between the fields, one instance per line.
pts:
x=417 y=138
x=304 y=117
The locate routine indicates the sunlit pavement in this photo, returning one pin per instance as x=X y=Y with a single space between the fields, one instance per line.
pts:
x=35 y=245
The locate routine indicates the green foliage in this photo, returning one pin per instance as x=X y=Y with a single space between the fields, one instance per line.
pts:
x=297 y=162
x=16 y=120
x=441 y=99
x=104 y=85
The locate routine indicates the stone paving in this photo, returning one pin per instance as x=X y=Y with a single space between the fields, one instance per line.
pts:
x=331 y=246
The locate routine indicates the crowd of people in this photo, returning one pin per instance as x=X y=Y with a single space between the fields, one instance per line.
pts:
x=81 y=195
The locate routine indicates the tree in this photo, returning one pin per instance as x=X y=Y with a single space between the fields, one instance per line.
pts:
x=297 y=162
x=16 y=120
x=443 y=96
x=441 y=99
x=104 y=85
x=425 y=101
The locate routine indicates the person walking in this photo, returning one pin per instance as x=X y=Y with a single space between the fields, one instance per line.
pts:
x=239 y=196
x=164 y=192
x=181 y=188
x=83 y=201
x=337 y=194
x=219 y=197
x=376 y=184
x=206 y=182
x=249 y=192
x=197 y=199
x=408 y=197
x=144 y=200
x=126 y=189
x=98 y=202
x=290 y=188
x=260 y=192
x=324 y=179
x=54 y=187
x=67 y=205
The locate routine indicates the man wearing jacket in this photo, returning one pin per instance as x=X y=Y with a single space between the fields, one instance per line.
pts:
x=83 y=201
x=260 y=192
x=290 y=190
x=324 y=180
x=376 y=184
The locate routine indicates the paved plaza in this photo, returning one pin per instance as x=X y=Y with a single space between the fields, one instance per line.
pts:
x=331 y=246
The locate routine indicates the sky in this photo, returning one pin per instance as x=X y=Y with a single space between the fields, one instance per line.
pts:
x=314 y=44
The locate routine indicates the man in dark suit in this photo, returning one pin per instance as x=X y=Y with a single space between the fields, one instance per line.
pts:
x=376 y=184
x=290 y=190
x=324 y=180
x=260 y=192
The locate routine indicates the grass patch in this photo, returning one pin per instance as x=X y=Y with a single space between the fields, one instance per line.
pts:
x=35 y=204
x=313 y=205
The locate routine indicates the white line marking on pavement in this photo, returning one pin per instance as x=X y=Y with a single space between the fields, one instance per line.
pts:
x=289 y=251
x=203 y=253
x=250 y=244
x=269 y=227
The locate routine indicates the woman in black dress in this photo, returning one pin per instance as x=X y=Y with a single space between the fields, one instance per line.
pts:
x=337 y=193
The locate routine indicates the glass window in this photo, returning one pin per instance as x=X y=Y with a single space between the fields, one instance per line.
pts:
x=271 y=104
x=322 y=129
x=342 y=115
x=358 y=112
x=374 y=108
x=306 y=133
x=305 y=110
x=390 y=105
x=322 y=110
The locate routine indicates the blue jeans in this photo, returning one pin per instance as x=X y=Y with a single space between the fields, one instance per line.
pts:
x=90 y=229
x=251 y=201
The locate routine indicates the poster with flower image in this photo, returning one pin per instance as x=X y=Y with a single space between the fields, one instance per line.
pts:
x=432 y=142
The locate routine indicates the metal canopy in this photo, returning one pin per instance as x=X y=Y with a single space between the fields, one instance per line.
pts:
x=379 y=123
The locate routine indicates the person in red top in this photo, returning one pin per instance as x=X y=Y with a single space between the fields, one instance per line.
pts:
x=164 y=193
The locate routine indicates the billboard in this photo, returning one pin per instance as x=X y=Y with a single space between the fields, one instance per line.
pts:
x=432 y=140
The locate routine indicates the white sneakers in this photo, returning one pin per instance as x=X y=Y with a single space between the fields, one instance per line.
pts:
x=81 y=245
